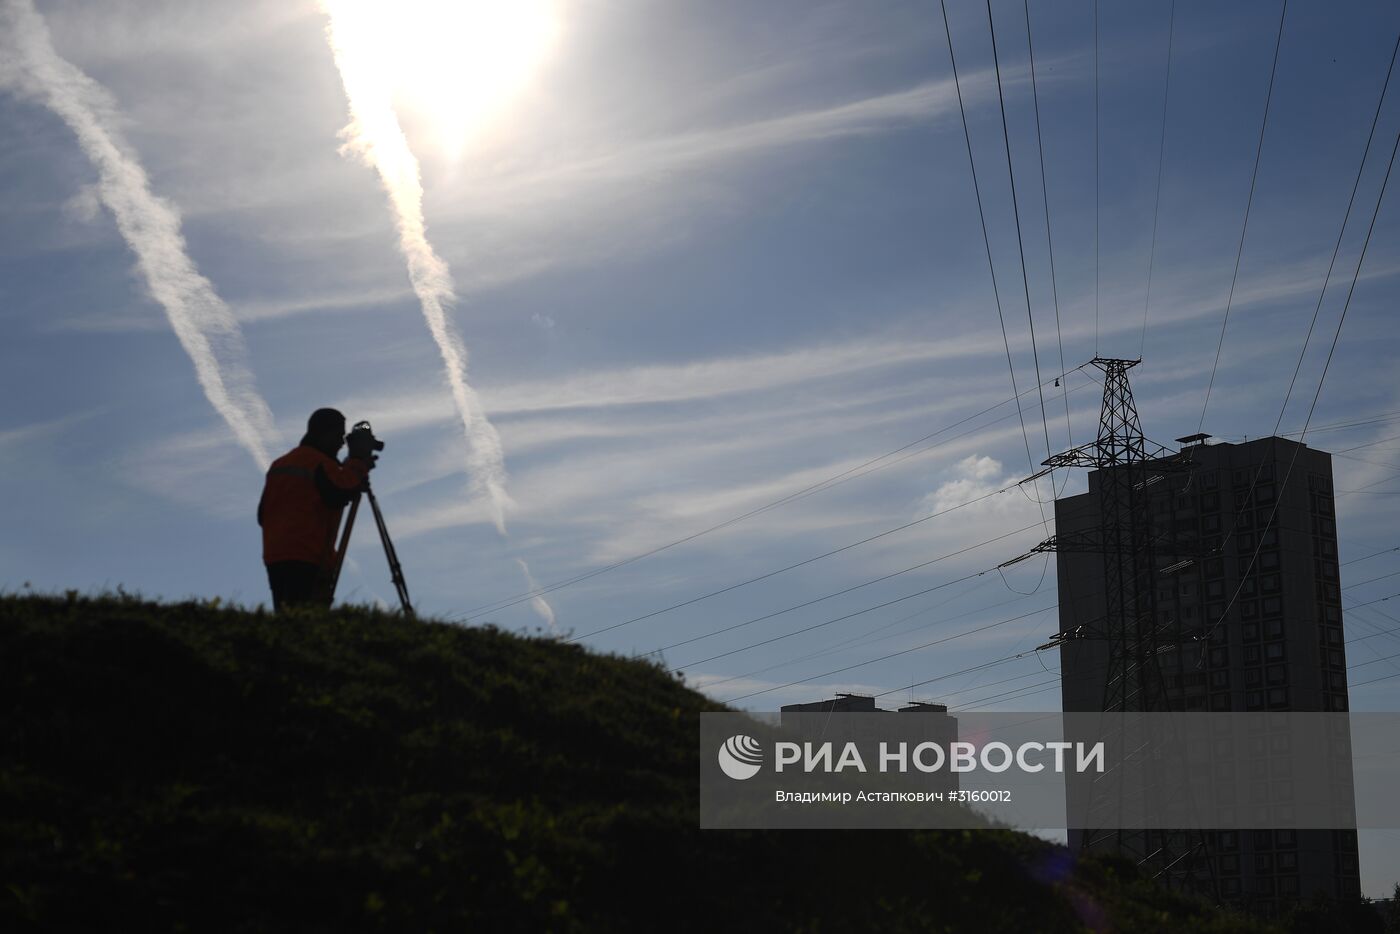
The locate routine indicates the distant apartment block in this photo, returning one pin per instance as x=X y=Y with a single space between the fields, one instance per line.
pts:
x=935 y=726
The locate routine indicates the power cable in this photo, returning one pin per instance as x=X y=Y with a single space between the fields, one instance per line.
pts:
x=1365 y=155
x=951 y=674
x=1096 y=178
x=1157 y=199
x=866 y=636
x=987 y=243
x=845 y=476
x=1351 y=290
x=829 y=622
x=790 y=567
x=1336 y=247
x=843 y=592
x=1045 y=199
x=1020 y=245
x=1249 y=203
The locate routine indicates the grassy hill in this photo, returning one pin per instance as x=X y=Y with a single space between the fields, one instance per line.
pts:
x=187 y=767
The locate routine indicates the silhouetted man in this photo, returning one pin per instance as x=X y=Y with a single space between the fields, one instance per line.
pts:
x=304 y=494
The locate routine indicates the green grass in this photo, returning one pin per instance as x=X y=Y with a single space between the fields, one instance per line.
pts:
x=189 y=767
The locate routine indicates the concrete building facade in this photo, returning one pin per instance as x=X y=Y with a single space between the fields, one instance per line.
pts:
x=1255 y=621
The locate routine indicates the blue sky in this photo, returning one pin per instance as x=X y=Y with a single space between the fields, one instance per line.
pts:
x=704 y=255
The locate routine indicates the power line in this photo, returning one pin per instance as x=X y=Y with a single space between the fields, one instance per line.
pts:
x=1157 y=199
x=1336 y=247
x=953 y=674
x=1020 y=246
x=844 y=591
x=1009 y=695
x=987 y=243
x=1336 y=336
x=838 y=619
x=1374 y=554
x=845 y=642
x=1374 y=680
x=977 y=667
x=853 y=473
x=790 y=567
x=1249 y=203
x=949 y=638
x=1045 y=198
x=1369 y=444
x=1096 y=178
x=1017 y=697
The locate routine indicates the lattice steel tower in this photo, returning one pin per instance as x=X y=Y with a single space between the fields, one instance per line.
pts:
x=1135 y=636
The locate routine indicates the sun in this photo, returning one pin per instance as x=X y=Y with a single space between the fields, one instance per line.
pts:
x=454 y=66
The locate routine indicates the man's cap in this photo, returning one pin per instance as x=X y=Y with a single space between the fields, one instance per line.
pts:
x=325 y=420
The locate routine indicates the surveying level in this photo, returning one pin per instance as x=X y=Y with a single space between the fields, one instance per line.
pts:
x=395 y=569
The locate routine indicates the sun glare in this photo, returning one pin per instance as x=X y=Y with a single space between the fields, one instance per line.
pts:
x=456 y=65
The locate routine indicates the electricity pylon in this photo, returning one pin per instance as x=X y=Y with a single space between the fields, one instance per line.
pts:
x=1127 y=466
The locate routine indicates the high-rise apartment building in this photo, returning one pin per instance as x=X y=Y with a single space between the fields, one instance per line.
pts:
x=1252 y=622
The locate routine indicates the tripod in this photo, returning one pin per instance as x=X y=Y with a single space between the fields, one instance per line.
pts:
x=395 y=569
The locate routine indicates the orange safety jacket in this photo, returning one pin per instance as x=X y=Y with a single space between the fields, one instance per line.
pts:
x=304 y=494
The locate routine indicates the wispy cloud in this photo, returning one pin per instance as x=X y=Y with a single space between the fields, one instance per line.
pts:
x=205 y=327
x=23 y=434
x=374 y=134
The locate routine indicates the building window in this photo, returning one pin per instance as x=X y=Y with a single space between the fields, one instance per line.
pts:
x=1273 y=628
x=1252 y=677
x=1278 y=697
x=1277 y=674
x=1254 y=700
x=1251 y=653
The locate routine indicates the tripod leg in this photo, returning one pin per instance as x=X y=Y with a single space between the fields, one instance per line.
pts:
x=333 y=575
x=395 y=569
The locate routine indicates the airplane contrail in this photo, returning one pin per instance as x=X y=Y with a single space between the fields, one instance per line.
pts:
x=375 y=135
x=537 y=602
x=204 y=325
